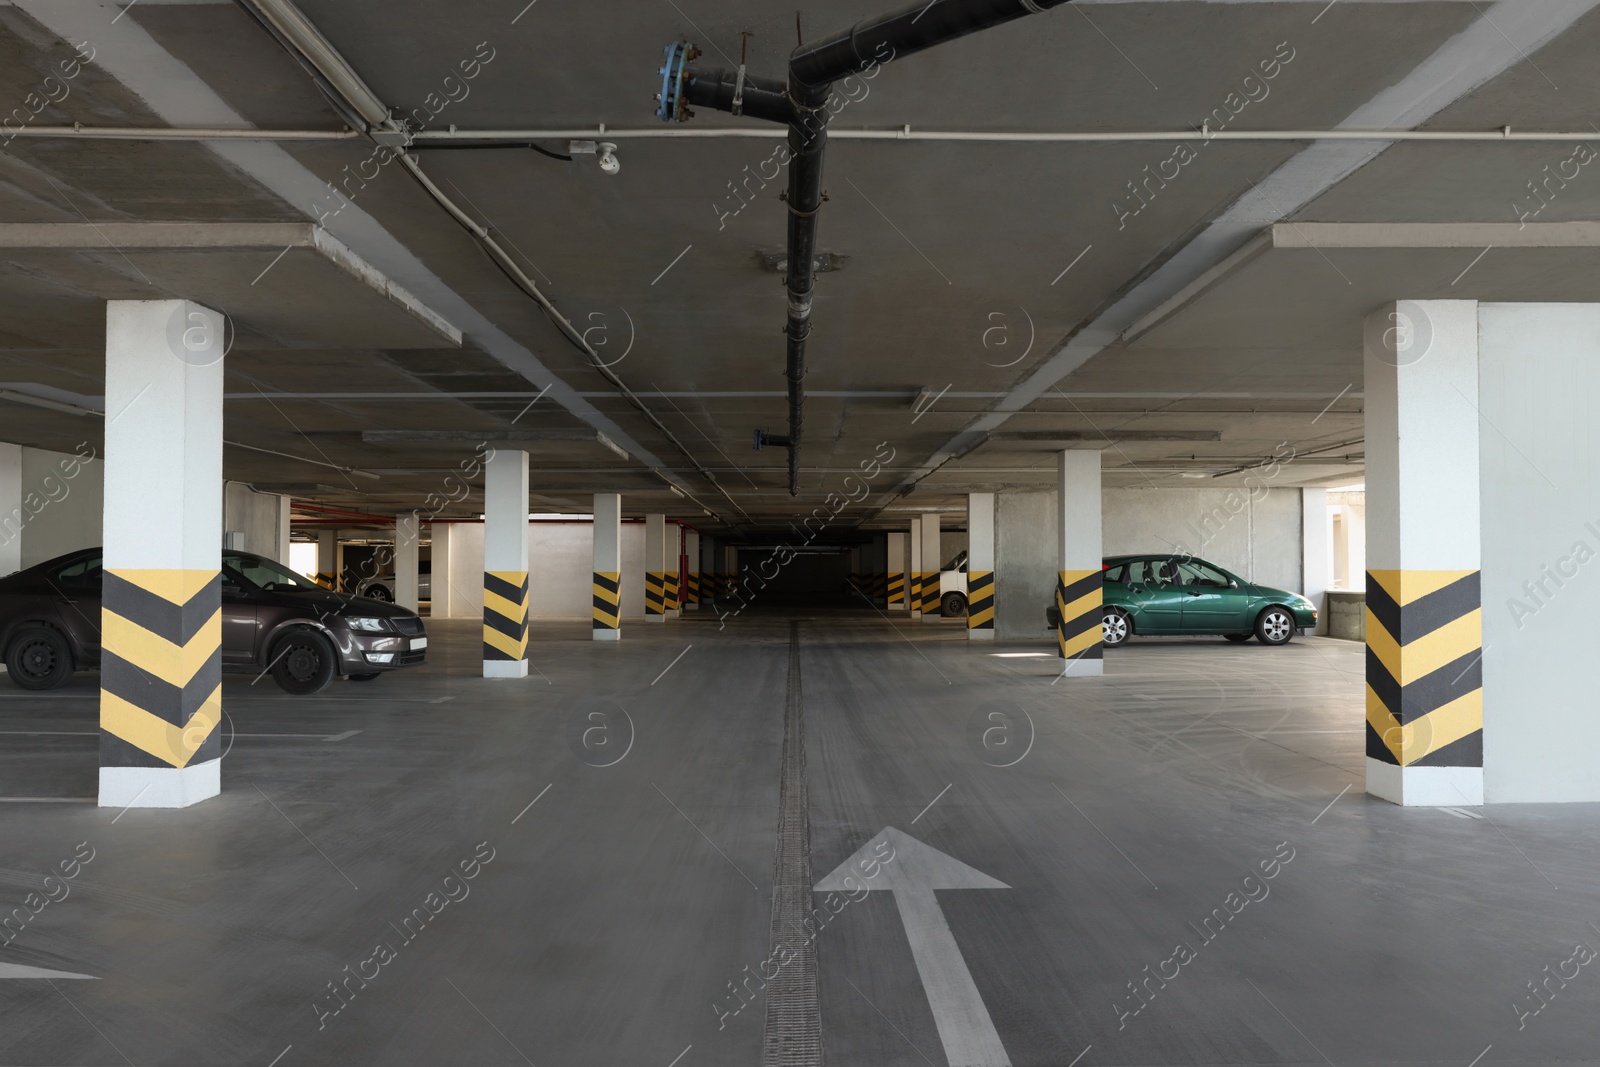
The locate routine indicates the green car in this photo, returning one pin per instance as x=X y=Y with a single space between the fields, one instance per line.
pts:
x=1165 y=594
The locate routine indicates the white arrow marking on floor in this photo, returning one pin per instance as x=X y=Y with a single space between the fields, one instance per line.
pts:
x=916 y=871
x=16 y=970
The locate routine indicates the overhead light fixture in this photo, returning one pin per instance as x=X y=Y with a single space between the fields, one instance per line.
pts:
x=16 y=397
x=675 y=489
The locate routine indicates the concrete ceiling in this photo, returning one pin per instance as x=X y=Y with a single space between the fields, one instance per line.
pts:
x=955 y=276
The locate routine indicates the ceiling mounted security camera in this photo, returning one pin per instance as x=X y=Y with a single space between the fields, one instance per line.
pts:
x=609 y=163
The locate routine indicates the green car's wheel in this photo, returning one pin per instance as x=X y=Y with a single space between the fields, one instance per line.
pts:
x=1115 y=627
x=1275 y=626
x=1237 y=639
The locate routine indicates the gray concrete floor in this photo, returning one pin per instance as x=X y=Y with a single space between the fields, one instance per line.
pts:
x=618 y=907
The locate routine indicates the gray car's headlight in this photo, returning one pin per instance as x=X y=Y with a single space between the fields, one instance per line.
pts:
x=371 y=625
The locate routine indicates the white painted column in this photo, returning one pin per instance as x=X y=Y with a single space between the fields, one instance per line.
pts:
x=1078 y=551
x=12 y=517
x=162 y=532
x=505 y=564
x=691 y=578
x=914 y=578
x=1316 y=553
x=442 y=596
x=899 y=564
x=328 y=558
x=655 y=568
x=1424 y=554
x=285 y=537
x=674 y=553
x=407 y=556
x=932 y=560
x=607 y=625
x=980 y=567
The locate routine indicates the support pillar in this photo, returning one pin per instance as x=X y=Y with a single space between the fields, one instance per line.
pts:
x=655 y=568
x=161 y=587
x=1424 y=554
x=708 y=570
x=505 y=564
x=1078 y=592
x=11 y=514
x=672 y=590
x=1316 y=552
x=914 y=582
x=407 y=559
x=730 y=572
x=285 y=535
x=980 y=567
x=328 y=559
x=897 y=571
x=607 y=567
x=691 y=572
x=932 y=560
x=443 y=599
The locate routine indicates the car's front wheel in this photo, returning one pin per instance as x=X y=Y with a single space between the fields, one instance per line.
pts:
x=1115 y=627
x=953 y=606
x=1275 y=626
x=304 y=663
x=378 y=592
x=39 y=658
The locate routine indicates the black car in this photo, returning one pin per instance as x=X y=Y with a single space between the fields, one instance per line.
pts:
x=272 y=620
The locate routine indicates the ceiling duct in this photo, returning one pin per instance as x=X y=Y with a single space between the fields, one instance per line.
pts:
x=801 y=104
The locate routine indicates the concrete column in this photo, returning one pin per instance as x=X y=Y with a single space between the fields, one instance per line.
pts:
x=691 y=576
x=655 y=568
x=730 y=572
x=1424 y=554
x=1078 y=596
x=708 y=570
x=505 y=564
x=980 y=566
x=442 y=596
x=327 y=558
x=160 y=617
x=12 y=516
x=285 y=537
x=931 y=562
x=898 y=564
x=914 y=576
x=607 y=567
x=407 y=556
x=673 y=583
x=1316 y=553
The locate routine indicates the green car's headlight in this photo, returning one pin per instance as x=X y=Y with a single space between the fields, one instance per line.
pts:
x=363 y=622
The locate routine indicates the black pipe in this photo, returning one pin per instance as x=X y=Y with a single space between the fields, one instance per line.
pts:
x=803 y=105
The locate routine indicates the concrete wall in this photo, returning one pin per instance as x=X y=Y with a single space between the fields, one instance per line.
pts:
x=69 y=492
x=560 y=570
x=254 y=514
x=1257 y=536
x=1024 y=564
x=1539 y=375
x=466 y=571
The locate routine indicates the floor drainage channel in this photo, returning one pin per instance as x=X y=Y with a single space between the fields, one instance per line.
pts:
x=792 y=1036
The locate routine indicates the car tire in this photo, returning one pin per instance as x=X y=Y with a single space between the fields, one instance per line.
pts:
x=1238 y=639
x=378 y=592
x=363 y=677
x=39 y=658
x=953 y=606
x=1116 y=626
x=1275 y=626
x=304 y=662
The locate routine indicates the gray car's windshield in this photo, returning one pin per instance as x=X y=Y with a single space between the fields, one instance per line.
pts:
x=264 y=574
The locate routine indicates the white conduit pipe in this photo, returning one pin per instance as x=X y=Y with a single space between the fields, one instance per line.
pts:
x=423 y=138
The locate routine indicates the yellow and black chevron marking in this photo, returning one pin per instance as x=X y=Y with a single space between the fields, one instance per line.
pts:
x=324 y=579
x=930 y=592
x=897 y=588
x=670 y=595
x=160 y=667
x=505 y=615
x=1425 y=668
x=980 y=600
x=914 y=590
x=607 y=600
x=1078 y=599
x=691 y=587
x=655 y=592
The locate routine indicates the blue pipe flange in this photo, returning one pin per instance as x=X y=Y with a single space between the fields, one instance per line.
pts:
x=673 y=71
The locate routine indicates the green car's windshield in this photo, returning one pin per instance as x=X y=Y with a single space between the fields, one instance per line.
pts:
x=264 y=574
